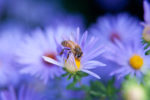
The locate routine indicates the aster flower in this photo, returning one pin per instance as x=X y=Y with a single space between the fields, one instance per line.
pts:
x=121 y=27
x=30 y=55
x=24 y=93
x=131 y=59
x=87 y=61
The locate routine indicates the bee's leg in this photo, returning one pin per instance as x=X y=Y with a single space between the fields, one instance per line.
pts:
x=68 y=54
x=62 y=51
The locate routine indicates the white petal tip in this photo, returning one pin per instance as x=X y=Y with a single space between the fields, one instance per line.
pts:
x=99 y=77
x=50 y=60
x=103 y=65
x=91 y=73
x=44 y=57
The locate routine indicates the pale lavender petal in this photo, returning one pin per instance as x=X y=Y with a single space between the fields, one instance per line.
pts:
x=91 y=43
x=139 y=75
x=83 y=39
x=91 y=73
x=4 y=95
x=118 y=71
x=146 y=6
x=21 y=93
x=92 y=64
x=92 y=54
x=13 y=96
x=9 y=95
x=119 y=44
x=77 y=35
x=50 y=60
x=123 y=74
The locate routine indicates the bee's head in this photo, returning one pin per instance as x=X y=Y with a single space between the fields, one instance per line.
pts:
x=78 y=53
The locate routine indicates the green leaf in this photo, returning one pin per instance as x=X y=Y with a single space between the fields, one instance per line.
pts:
x=70 y=86
x=82 y=74
x=127 y=77
x=66 y=74
x=143 y=41
x=147 y=52
x=97 y=94
x=85 y=88
x=98 y=86
x=147 y=46
x=75 y=80
x=69 y=77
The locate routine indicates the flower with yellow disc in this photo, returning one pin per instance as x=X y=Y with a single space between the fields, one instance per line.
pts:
x=87 y=61
x=131 y=59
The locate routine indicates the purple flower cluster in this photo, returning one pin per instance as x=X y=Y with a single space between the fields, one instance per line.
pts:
x=32 y=62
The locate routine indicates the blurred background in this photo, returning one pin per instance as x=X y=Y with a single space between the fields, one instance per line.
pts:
x=39 y=13
x=27 y=15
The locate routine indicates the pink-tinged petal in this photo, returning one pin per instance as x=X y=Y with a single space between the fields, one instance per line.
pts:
x=50 y=60
x=91 y=73
x=146 y=6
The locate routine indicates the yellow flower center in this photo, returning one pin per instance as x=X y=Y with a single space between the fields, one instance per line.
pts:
x=77 y=61
x=136 y=62
x=72 y=65
x=146 y=33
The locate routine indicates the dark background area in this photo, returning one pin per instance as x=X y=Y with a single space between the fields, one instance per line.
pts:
x=89 y=9
x=92 y=9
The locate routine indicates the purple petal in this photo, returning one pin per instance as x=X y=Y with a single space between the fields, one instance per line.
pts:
x=78 y=35
x=83 y=39
x=118 y=71
x=91 y=43
x=92 y=64
x=146 y=6
x=94 y=53
x=50 y=60
x=91 y=73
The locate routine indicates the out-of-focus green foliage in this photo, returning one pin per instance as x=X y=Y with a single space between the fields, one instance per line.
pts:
x=147 y=45
x=133 y=89
x=77 y=76
x=98 y=90
x=146 y=83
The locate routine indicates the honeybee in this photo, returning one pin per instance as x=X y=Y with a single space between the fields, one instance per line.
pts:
x=72 y=48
